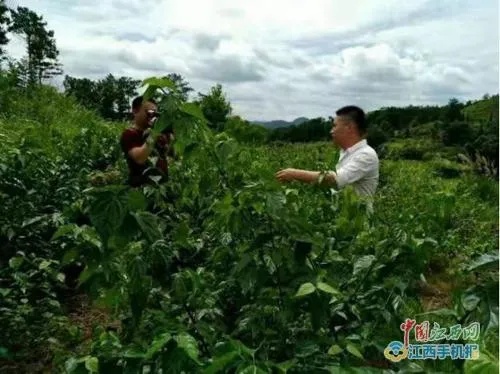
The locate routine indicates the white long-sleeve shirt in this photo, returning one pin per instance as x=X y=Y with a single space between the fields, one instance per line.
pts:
x=358 y=166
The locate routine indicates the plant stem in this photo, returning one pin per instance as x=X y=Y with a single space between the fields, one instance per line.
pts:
x=204 y=345
x=278 y=279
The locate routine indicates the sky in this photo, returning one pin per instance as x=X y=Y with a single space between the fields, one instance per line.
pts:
x=282 y=59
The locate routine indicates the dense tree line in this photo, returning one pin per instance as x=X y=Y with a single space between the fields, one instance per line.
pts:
x=394 y=121
x=471 y=126
x=110 y=96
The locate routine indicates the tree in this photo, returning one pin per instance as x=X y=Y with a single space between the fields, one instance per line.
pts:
x=41 y=48
x=376 y=136
x=182 y=85
x=110 y=96
x=114 y=96
x=245 y=132
x=20 y=71
x=126 y=88
x=83 y=90
x=4 y=24
x=453 y=111
x=215 y=107
x=457 y=133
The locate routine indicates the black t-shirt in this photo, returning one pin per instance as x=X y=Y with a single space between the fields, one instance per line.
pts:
x=132 y=138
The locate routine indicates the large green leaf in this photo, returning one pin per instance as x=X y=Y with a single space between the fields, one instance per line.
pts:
x=327 y=288
x=352 y=349
x=150 y=92
x=158 y=343
x=72 y=366
x=149 y=225
x=44 y=265
x=87 y=273
x=270 y=265
x=15 y=262
x=305 y=289
x=92 y=364
x=283 y=367
x=163 y=123
x=188 y=343
x=486 y=261
x=193 y=110
x=136 y=200
x=83 y=365
x=108 y=211
x=64 y=230
x=335 y=350
x=33 y=220
x=363 y=264
x=159 y=82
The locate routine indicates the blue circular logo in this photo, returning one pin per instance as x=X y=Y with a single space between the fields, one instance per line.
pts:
x=396 y=351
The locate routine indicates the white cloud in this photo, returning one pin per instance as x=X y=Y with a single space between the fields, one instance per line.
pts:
x=282 y=59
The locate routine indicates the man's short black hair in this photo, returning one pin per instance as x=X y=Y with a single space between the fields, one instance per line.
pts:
x=137 y=102
x=356 y=114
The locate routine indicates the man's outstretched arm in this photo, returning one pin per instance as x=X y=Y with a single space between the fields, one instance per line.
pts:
x=306 y=176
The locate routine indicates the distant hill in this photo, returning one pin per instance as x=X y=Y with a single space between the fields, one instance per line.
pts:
x=482 y=110
x=276 y=124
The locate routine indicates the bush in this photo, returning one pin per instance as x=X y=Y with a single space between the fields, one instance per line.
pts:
x=486 y=189
x=376 y=136
x=413 y=149
x=427 y=130
x=448 y=169
x=458 y=133
x=245 y=132
x=480 y=164
x=428 y=156
x=440 y=153
x=486 y=144
x=412 y=153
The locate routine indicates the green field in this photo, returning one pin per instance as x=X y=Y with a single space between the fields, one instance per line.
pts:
x=223 y=269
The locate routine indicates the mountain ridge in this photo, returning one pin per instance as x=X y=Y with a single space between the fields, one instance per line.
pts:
x=274 y=124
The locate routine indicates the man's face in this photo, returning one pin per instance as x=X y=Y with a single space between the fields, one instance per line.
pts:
x=342 y=127
x=143 y=117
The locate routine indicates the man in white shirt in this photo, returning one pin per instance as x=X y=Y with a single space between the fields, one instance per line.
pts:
x=358 y=164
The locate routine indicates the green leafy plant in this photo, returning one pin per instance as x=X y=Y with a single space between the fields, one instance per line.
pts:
x=223 y=269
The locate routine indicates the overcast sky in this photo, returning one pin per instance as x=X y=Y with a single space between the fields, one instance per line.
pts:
x=281 y=59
